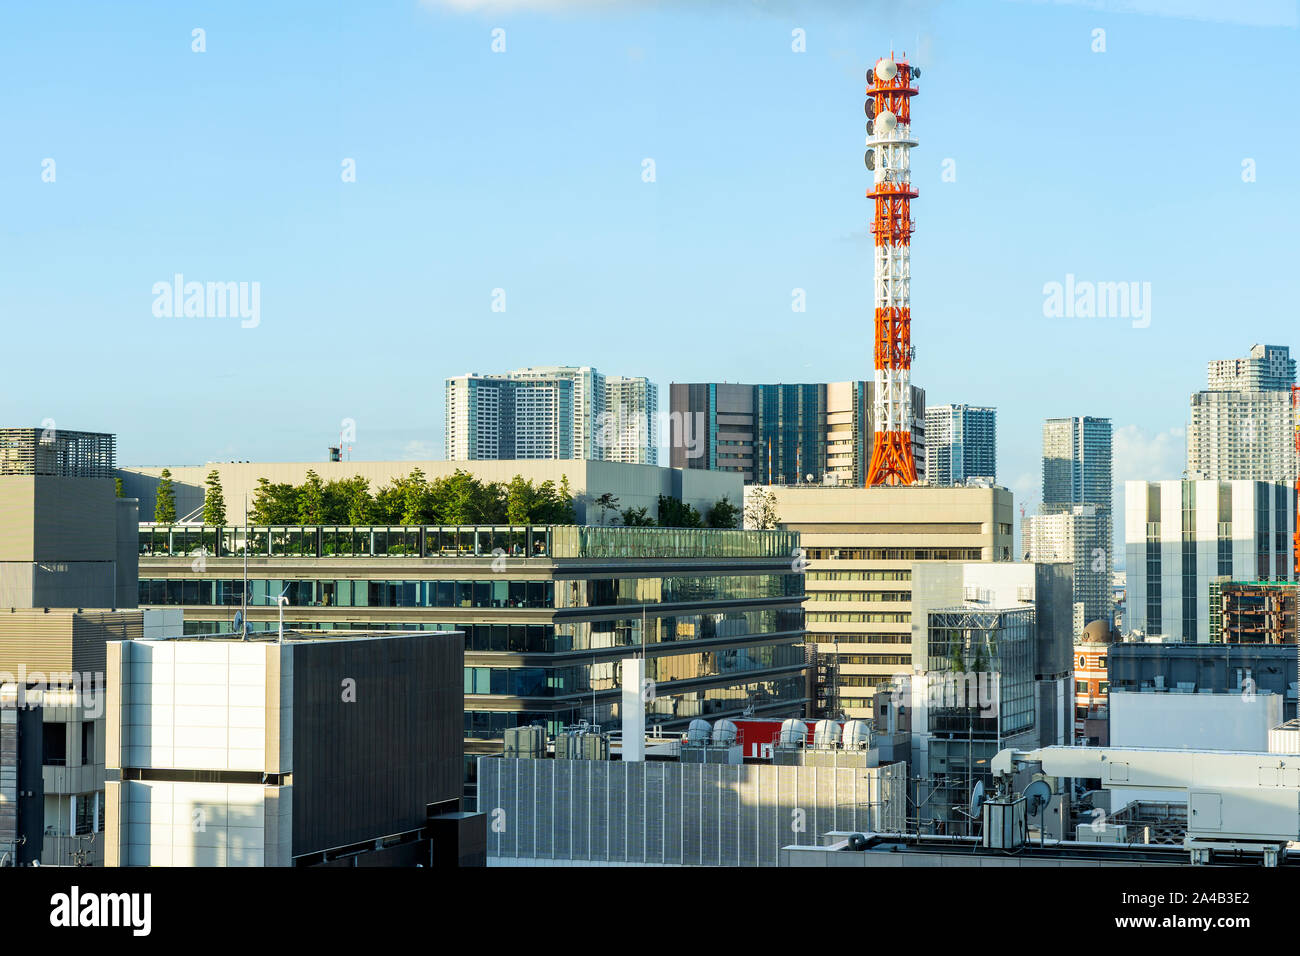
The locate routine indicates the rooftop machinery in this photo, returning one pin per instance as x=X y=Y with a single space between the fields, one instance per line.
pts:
x=1237 y=803
x=889 y=144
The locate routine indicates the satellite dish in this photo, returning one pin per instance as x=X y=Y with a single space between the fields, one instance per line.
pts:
x=239 y=620
x=870 y=124
x=977 y=799
x=886 y=69
x=808 y=477
x=870 y=108
x=886 y=122
x=916 y=74
x=871 y=159
x=871 y=77
x=1037 y=796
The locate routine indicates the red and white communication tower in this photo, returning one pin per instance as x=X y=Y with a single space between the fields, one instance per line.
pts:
x=889 y=144
x=1295 y=538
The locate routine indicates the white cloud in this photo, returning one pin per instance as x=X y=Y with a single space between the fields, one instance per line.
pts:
x=1255 y=13
x=1139 y=455
x=417 y=450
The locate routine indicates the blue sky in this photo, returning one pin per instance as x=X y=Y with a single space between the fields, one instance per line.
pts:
x=522 y=171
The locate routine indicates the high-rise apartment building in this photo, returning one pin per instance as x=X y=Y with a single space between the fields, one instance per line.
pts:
x=780 y=434
x=490 y=417
x=1181 y=535
x=1077 y=474
x=552 y=411
x=1072 y=534
x=960 y=443
x=1268 y=368
x=1242 y=427
x=628 y=429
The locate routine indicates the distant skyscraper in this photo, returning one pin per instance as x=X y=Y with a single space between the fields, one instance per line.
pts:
x=960 y=443
x=630 y=431
x=552 y=411
x=490 y=417
x=1268 y=368
x=1072 y=534
x=1077 y=462
x=781 y=434
x=588 y=390
x=1242 y=428
x=1077 y=472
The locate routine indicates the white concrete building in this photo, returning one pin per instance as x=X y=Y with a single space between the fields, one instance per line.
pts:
x=627 y=430
x=496 y=417
x=1180 y=535
x=1235 y=436
x=1267 y=368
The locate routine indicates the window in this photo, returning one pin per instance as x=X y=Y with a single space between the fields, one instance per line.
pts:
x=87 y=743
x=55 y=748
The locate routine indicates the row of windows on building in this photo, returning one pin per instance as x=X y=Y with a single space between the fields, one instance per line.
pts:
x=603 y=592
x=894 y=554
x=859 y=617
x=886 y=574
x=861 y=596
x=566 y=636
x=605 y=675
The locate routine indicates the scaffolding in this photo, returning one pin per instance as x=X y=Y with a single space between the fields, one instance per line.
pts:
x=1253 y=612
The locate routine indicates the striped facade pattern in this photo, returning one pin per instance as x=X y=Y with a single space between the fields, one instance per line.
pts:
x=669 y=813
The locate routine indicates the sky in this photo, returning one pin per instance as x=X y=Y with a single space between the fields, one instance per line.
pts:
x=1147 y=141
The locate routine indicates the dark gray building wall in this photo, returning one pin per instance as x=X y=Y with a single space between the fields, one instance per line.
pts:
x=1217 y=667
x=370 y=767
x=1054 y=606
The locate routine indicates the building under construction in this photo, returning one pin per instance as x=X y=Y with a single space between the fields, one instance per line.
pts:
x=1252 y=612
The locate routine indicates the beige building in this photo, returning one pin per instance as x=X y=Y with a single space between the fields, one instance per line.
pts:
x=860 y=546
x=635 y=486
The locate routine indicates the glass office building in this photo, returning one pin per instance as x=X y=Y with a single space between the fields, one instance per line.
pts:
x=548 y=611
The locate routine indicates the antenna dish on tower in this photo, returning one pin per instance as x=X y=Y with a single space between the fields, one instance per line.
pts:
x=887 y=69
x=886 y=122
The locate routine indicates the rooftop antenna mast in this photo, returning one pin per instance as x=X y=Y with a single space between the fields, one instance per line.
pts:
x=888 y=156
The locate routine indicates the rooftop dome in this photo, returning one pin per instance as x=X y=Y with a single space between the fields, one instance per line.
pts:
x=1098 y=632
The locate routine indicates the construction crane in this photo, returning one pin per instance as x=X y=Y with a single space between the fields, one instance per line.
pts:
x=889 y=145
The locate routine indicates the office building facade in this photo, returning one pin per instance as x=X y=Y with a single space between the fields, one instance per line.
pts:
x=1242 y=427
x=960 y=443
x=548 y=612
x=1182 y=535
x=781 y=434
x=861 y=547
